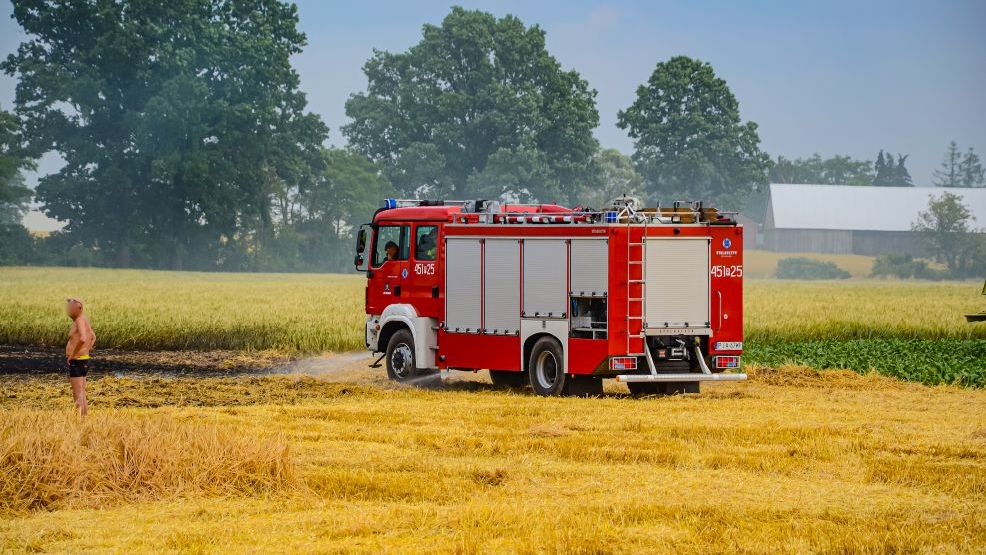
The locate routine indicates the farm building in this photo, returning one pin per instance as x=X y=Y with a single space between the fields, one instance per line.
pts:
x=846 y=219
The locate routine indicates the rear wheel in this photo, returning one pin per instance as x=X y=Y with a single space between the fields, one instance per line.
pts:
x=546 y=370
x=508 y=378
x=547 y=367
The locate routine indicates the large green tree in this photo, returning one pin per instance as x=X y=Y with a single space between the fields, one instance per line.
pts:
x=16 y=245
x=176 y=121
x=478 y=108
x=837 y=170
x=689 y=139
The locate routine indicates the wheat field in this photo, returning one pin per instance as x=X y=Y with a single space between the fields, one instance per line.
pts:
x=309 y=313
x=794 y=461
x=148 y=310
x=834 y=310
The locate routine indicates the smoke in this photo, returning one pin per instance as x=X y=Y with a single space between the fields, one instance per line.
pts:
x=343 y=367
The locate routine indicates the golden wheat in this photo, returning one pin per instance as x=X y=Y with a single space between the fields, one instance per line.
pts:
x=805 y=311
x=54 y=459
x=794 y=461
x=186 y=310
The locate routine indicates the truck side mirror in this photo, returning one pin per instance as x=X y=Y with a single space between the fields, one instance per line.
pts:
x=362 y=242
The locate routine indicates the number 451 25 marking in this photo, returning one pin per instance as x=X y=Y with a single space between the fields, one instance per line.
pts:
x=727 y=271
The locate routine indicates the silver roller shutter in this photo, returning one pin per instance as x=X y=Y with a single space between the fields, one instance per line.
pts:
x=545 y=278
x=677 y=283
x=463 y=303
x=501 y=296
x=590 y=267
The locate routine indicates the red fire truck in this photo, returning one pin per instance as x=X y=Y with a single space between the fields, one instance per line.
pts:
x=555 y=297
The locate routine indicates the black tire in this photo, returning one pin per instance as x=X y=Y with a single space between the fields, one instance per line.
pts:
x=662 y=388
x=400 y=358
x=508 y=378
x=546 y=367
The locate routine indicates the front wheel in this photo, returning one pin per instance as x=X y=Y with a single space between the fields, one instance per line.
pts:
x=401 y=365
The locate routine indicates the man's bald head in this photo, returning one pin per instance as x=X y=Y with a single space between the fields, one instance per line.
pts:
x=73 y=307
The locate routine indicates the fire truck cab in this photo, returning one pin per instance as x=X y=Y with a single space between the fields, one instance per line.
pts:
x=554 y=297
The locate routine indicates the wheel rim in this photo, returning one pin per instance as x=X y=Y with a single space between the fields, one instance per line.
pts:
x=546 y=369
x=401 y=360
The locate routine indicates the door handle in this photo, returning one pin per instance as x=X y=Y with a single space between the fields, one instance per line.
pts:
x=719 y=326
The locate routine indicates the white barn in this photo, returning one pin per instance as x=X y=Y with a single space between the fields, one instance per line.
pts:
x=847 y=219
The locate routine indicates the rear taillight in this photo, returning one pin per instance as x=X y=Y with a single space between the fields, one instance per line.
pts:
x=623 y=363
x=727 y=362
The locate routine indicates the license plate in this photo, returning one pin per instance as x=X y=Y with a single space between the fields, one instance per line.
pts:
x=729 y=345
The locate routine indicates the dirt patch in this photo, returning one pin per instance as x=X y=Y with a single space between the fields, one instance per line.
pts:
x=36 y=360
x=349 y=368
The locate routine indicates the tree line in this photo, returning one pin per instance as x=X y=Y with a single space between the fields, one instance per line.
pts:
x=958 y=169
x=188 y=144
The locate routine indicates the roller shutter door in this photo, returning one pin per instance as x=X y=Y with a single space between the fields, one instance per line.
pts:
x=677 y=283
x=590 y=267
x=463 y=285
x=501 y=294
x=545 y=278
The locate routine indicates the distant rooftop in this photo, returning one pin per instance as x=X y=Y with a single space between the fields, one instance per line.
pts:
x=858 y=208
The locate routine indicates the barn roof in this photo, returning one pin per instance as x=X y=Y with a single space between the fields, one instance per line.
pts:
x=850 y=207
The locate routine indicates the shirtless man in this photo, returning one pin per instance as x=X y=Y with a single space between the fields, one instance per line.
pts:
x=80 y=341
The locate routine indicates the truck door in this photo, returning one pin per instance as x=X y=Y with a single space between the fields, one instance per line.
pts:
x=388 y=267
x=423 y=279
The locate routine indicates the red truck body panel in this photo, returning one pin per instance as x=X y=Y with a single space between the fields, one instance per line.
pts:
x=421 y=282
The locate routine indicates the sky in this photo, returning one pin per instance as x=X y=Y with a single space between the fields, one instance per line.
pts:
x=833 y=77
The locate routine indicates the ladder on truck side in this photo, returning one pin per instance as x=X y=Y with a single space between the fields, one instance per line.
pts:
x=636 y=286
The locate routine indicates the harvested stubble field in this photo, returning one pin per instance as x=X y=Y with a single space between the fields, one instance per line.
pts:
x=907 y=329
x=793 y=461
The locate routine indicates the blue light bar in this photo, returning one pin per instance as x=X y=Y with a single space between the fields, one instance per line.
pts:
x=390 y=203
x=611 y=217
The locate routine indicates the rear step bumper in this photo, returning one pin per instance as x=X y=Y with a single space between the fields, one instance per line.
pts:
x=690 y=377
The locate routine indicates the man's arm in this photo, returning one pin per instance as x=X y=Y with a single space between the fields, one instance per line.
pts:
x=90 y=339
